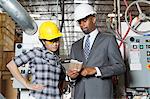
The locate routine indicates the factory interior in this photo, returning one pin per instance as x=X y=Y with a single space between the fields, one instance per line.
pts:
x=127 y=20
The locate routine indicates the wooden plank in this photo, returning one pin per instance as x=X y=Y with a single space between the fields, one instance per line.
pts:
x=0 y=84
x=2 y=17
x=1 y=36
x=6 y=75
x=7 y=33
x=7 y=57
x=7 y=39
x=1 y=57
x=7 y=89
x=1 y=63
x=8 y=43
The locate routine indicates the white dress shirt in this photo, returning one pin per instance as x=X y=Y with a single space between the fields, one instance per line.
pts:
x=93 y=35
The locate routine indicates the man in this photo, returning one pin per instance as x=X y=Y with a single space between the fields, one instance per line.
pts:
x=44 y=64
x=101 y=58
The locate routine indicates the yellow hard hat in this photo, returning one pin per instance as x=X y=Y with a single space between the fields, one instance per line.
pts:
x=48 y=30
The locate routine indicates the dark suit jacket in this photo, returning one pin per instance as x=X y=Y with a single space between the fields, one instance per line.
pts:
x=106 y=56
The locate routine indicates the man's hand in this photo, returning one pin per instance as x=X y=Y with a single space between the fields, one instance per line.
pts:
x=72 y=73
x=88 y=71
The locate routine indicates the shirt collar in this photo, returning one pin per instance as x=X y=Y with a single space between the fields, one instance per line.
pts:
x=93 y=33
x=47 y=51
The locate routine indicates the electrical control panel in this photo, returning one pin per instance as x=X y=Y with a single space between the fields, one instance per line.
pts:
x=24 y=70
x=138 y=53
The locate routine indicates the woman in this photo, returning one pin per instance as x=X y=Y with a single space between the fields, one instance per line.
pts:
x=45 y=66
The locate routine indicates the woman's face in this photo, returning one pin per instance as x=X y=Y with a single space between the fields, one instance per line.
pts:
x=52 y=45
x=87 y=24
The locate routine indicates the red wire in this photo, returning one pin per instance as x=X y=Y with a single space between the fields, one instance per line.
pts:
x=128 y=27
x=126 y=32
x=130 y=16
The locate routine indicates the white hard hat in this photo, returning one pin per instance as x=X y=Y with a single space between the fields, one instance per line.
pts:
x=83 y=10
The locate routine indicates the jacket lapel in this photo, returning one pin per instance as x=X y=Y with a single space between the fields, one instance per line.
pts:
x=95 y=44
x=81 y=51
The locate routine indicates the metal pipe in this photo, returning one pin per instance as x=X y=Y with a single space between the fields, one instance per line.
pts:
x=118 y=12
x=1 y=9
x=19 y=15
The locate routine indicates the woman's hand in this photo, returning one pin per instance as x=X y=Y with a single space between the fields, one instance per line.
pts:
x=35 y=86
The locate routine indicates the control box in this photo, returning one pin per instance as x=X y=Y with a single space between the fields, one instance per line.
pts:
x=24 y=70
x=138 y=53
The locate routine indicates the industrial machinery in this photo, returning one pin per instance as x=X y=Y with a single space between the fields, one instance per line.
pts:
x=24 y=70
x=139 y=65
x=137 y=52
x=140 y=19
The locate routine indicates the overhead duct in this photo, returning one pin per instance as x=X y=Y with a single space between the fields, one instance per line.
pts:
x=1 y=9
x=19 y=15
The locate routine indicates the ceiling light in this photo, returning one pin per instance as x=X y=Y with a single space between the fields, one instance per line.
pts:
x=35 y=15
x=114 y=15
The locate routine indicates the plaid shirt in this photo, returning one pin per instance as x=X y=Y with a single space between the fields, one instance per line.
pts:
x=45 y=69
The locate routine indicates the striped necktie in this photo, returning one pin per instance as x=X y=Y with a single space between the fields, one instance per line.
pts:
x=87 y=47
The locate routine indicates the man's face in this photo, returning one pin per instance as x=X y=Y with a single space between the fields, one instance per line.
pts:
x=87 y=24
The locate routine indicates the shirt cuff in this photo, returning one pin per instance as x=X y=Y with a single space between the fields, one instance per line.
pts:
x=69 y=79
x=98 y=72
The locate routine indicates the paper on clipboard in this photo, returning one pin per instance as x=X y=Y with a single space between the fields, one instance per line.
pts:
x=72 y=65
x=75 y=65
